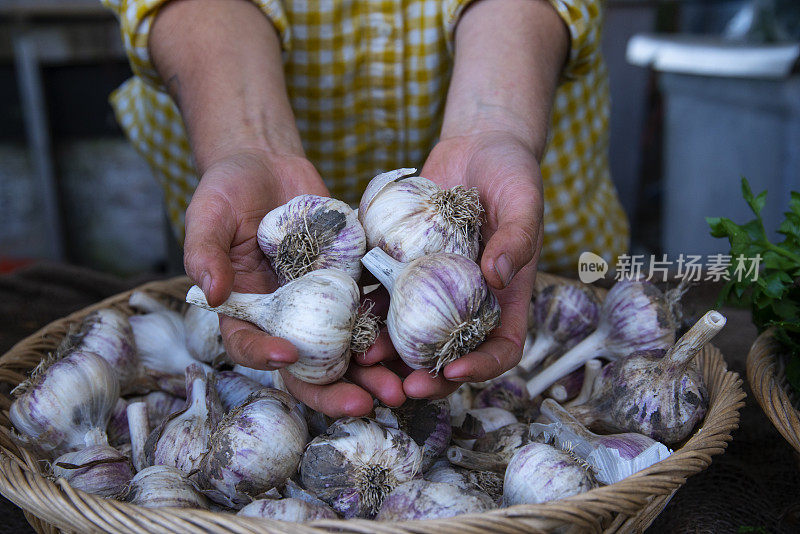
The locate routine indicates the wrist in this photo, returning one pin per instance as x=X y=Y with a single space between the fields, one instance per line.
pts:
x=491 y=121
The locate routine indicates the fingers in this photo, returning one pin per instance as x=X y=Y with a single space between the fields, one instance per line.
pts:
x=382 y=383
x=210 y=228
x=514 y=244
x=339 y=399
x=421 y=384
x=249 y=346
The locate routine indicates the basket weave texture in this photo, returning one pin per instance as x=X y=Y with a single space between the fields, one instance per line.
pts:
x=767 y=378
x=627 y=506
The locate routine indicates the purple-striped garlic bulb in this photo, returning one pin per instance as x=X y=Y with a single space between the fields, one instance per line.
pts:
x=117 y=428
x=163 y=486
x=539 y=473
x=427 y=422
x=293 y=510
x=181 y=440
x=99 y=469
x=318 y=313
x=410 y=216
x=440 y=307
x=107 y=333
x=509 y=393
x=613 y=457
x=311 y=232
x=661 y=396
x=203 y=337
x=255 y=448
x=357 y=463
x=477 y=422
x=487 y=482
x=160 y=404
x=66 y=403
x=422 y=499
x=234 y=389
x=563 y=315
x=635 y=315
x=493 y=451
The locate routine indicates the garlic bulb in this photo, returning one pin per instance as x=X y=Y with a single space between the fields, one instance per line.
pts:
x=634 y=316
x=160 y=404
x=318 y=313
x=117 y=428
x=460 y=400
x=181 y=439
x=539 y=473
x=357 y=463
x=66 y=403
x=486 y=482
x=509 y=393
x=440 y=307
x=477 y=422
x=421 y=499
x=255 y=447
x=146 y=303
x=493 y=451
x=410 y=216
x=311 y=232
x=203 y=338
x=234 y=389
x=265 y=378
x=99 y=469
x=563 y=315
x=663 y=397
x=427 y=422
x=612 y=457
x=287 y=510
x=161 y=486
x=161 y=345
x=107 y=333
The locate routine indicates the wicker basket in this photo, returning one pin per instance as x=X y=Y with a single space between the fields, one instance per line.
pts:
x=765 y=373
x=627 y=506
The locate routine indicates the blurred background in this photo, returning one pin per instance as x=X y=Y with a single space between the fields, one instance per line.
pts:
x=703 y=92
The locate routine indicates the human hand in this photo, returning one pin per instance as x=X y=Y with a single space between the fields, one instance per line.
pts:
x=221 y=254
x=506 y=173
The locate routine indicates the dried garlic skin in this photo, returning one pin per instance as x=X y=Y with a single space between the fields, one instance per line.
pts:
x=311 y=232
x=163 y=486
x=99 y=469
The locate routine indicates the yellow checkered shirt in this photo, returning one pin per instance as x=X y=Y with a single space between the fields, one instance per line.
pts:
x=367 y=82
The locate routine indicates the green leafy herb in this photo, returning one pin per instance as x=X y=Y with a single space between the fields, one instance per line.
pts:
x=774 y=296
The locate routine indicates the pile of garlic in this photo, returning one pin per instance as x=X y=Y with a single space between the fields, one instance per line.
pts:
x=158 y=416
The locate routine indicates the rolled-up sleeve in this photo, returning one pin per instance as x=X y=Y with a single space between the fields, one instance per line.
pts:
x=136 y=18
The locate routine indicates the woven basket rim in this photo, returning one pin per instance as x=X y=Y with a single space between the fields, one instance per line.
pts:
x=767 y=379
x=619 y=506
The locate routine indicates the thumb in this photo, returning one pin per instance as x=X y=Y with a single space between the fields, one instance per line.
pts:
x=210 y=228
x=515 y=243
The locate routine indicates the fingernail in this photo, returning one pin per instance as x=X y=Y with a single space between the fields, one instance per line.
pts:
x=504 y=269
x=205 y=283
x=459 y=378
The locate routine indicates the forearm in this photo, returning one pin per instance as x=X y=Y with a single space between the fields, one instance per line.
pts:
x=221 y=62
x=508 y=58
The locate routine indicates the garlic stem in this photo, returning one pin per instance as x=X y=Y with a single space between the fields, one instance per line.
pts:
x=477 y=461
x=542 y=346
x=139 y=430
x=584 y=351
x=590 y=373
x=557 y=392
x=239 y=305
x=696 y=338
x=385 y=268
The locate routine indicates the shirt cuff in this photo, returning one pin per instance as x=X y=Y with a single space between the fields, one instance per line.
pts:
x=136 y=18
x=451 y=13
x=584 y=22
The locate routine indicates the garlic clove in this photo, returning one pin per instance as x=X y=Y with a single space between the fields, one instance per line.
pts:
x=357 y=463
x=294 y=510
x=440 y=307
x=422 y=499
x=312 y=232
x=99 y=469
x=410 y=217
x=163 y=486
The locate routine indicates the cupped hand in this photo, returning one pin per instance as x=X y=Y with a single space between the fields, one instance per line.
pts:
x=506 y=173
x=221 y=254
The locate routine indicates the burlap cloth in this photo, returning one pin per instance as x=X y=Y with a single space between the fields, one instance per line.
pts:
x=753 y=487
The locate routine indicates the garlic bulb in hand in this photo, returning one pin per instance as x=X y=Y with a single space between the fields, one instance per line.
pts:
x=163 y=486
x=293 y=510
x=427 y=422
x=634 y=316
x=539 y=473
x=440 y=307
x=357 y=463
x=410 y=216
x=66 y=403
x=311 y=232
x=318 y=313
x=181 y=439
x=663 y=397
x=613 y=457
x=255 y=447
x=422 y=499
x=563 y=315
x=99 y=469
